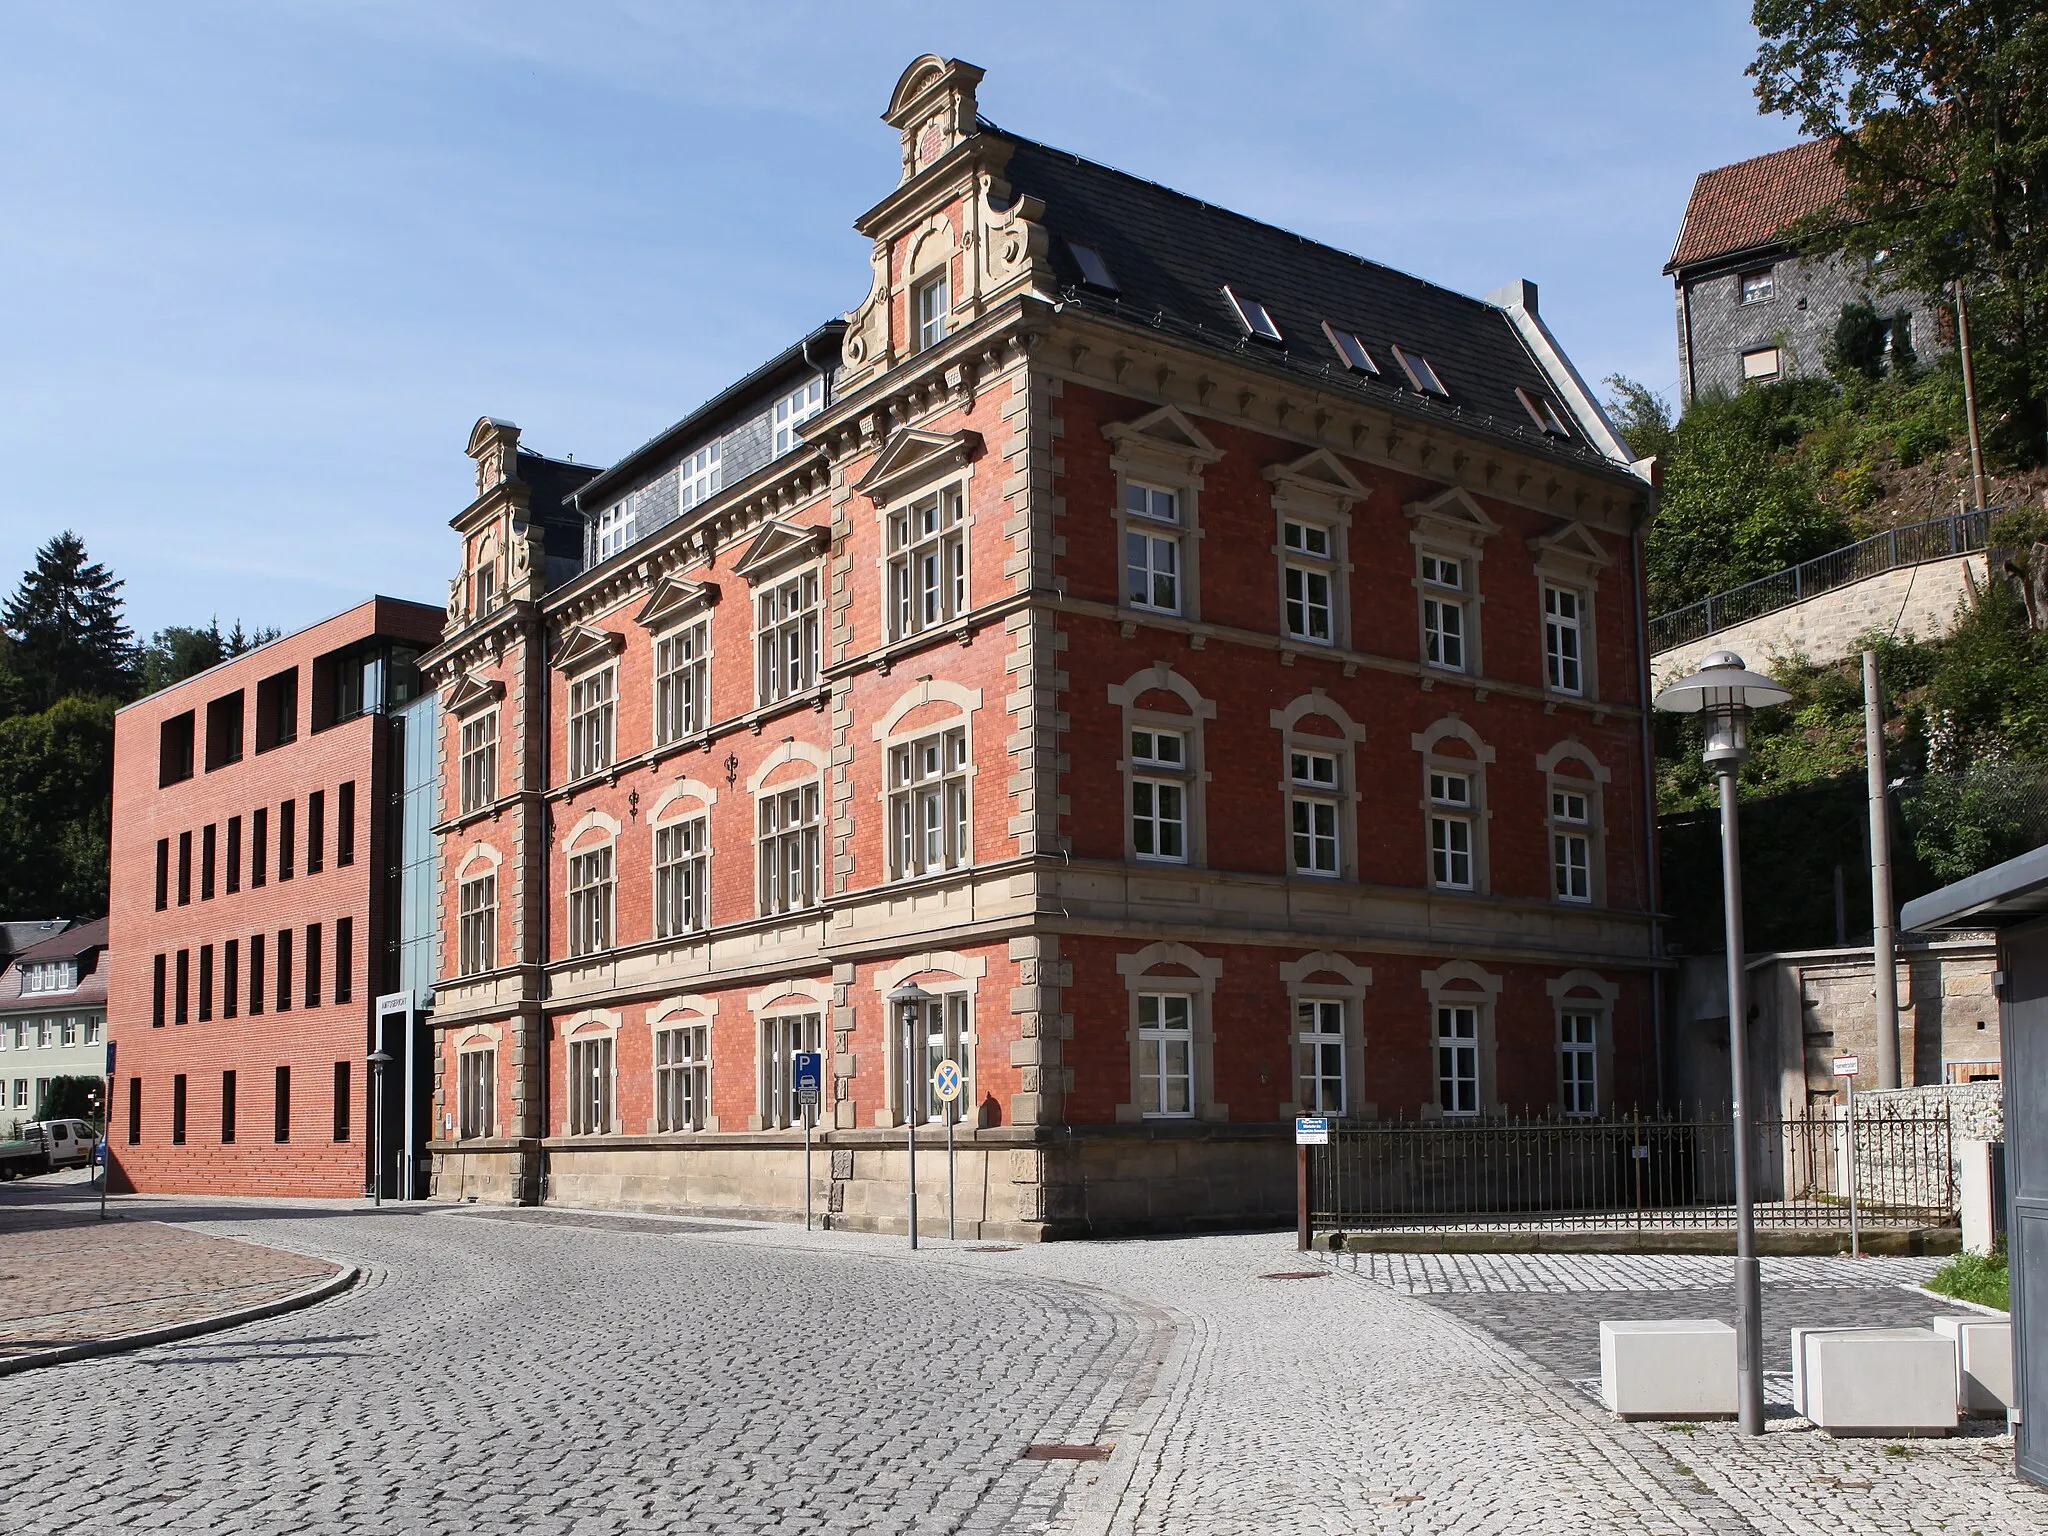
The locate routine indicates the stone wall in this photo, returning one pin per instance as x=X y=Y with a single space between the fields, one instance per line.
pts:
x=1976 y=1110
x=1920 y=600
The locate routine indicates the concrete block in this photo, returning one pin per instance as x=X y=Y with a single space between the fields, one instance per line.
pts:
x=1974 y=1195
x=1881 y=1381
x=1983 y=1363
x=1668 y=1369
x=1799 y=1372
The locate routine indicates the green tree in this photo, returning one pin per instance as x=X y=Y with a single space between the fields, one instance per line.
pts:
x=56 y=785
x=1938 y=110
x=179 y=652
x=67 y=631
x=1641 y=416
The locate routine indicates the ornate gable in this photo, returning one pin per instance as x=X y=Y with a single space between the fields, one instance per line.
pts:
x=778 y=545
x=1572 y=547
x=933 y=109
x=673 y=599
x=911 y=458
x=1452 y=514
x=494 y=445
x=469 y=693
x=1318 y=476
x=1164 y=436
x=584 y=645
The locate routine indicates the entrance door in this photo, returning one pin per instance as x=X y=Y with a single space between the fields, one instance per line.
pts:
x=2025 y=958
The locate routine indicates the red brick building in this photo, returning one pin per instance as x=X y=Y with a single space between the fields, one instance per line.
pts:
x=253 y=892
x=1207 y=663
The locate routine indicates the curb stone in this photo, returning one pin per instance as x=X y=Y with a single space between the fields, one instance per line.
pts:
x=87 y=1349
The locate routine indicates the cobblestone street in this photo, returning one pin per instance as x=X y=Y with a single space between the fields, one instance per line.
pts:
x=560 y=1371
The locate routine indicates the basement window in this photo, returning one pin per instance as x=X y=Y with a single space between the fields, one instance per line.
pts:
x=1544 y=412
x=1253 y=316
x=1351 y=348
x=1760 y=364
x=1420 y=374
x=1094 y=270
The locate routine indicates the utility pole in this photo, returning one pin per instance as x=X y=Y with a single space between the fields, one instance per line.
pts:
x=1970 y=395
x=1883 y=960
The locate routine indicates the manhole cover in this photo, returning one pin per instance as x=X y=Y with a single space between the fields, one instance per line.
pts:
x=993 y=1248
x=1067 y=1452
x=1297 y=1274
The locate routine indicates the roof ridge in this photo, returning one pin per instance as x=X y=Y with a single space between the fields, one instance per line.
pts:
x=1245 y=218
x=1769 y=154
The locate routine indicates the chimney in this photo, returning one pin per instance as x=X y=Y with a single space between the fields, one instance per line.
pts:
x=1520 y=294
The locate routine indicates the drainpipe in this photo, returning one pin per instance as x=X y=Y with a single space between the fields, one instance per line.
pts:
x=544 y=818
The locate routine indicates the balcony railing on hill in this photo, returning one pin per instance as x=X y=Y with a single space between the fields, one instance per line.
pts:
x=1938 y=539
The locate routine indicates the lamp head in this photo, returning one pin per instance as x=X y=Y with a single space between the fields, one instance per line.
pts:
x=1725 y=692
x=910 y=994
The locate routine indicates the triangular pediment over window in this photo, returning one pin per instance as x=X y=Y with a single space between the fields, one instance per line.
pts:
x=779 y=545
x=910 y=458
x=470 y=692
x=1573 y=544
x=585 y=645
x=1166 y=432
x=1319 y=472
x=673 y=599
x=1454 y=511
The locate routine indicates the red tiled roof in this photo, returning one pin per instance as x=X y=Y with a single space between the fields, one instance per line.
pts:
x=1749 y=203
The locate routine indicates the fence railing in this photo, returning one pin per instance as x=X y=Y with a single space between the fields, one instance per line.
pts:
x=1636 y=1170
x=1938 y=539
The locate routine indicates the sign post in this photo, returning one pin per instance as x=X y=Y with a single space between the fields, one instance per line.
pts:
x=913 y=1000
x=1309 y=1131
x=946 y=1085
x=107 y=1134
x=809 y=1068
x=1846 y=1068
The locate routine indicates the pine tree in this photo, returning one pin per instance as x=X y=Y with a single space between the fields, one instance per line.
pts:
x=66 y=625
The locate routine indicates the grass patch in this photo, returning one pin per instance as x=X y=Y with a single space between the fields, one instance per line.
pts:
x=1978 y=1277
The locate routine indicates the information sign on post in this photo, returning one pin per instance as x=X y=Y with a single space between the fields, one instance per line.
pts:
x=1312 y=1130
x=947 y=1083
x=1846 y=1068
x=807 y=1072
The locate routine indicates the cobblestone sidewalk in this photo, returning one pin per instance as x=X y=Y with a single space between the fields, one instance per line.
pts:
x=66 y=1277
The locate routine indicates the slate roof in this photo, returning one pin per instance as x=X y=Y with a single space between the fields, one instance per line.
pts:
x=85 y=942
x=1171 y=255
x=1750 y=204
x=555 y=484
x=18 y=934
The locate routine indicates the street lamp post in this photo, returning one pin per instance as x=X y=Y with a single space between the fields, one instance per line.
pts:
x=379 y=1060
x=1725 y=692
x=909 y=1000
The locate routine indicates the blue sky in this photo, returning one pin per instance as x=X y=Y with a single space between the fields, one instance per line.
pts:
x=263 y=264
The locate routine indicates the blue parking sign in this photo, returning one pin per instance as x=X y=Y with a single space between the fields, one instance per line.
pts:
x=810 y=1071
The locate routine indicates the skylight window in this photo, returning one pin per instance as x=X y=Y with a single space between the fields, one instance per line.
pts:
x=1420 y=374
x=1252 y=315
x=1351 y=347
x=1544 y=412
x=1094 y=270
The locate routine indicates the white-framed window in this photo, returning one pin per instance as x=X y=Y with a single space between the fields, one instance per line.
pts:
x=682 y=683
x=682 y=1078
x=1450 y=830
x=1166 y=1055
x=21 y=1093
x=783 y=1038
x=593 y=713
x=1152 y=547
x=590 y=1086
x=49 y=976
x=1445 y=593
x=931 y=302
x=46 y=1034
x=476 y=925
x=486 y=587
x=1756 y=287
x=592 y=889
x=1253 y=316
x=1457 y=1058
x=1563 y=635
x=1571 y=845
x=1313 y=812
x=93 y=1025
x=1319 y=1054
x=944 y=1030
x=69 y=1029
x=927 y=562
x=1760 y=364
x=479 y=761
x=1159 y=794
x=796 y=408
x=1307 y=577
x=616 y=525
x=682 y=887
x=786 y=631
x=789 y=848
x=476 y=1094
x=928 y=804
x=700 y=476
x=1578 y=1048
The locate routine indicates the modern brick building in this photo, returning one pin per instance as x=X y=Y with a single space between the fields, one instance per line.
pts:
x=1750 y=307
x=255 y=900
x=53 y=1014
x=1207 y=663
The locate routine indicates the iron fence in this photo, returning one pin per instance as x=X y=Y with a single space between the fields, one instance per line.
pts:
x=1636 y=1170
x=1957 y=534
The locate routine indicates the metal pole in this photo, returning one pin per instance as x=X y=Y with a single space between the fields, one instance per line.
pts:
x=1855 y=1232
x=1883 y=957
x=949 y=1170
x=377 y=1133
x=807 y=1166
x=1302 y=1236
x=1749 y=1322
x=1970 y=394
x=911 y=1025
x=106 y=1144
